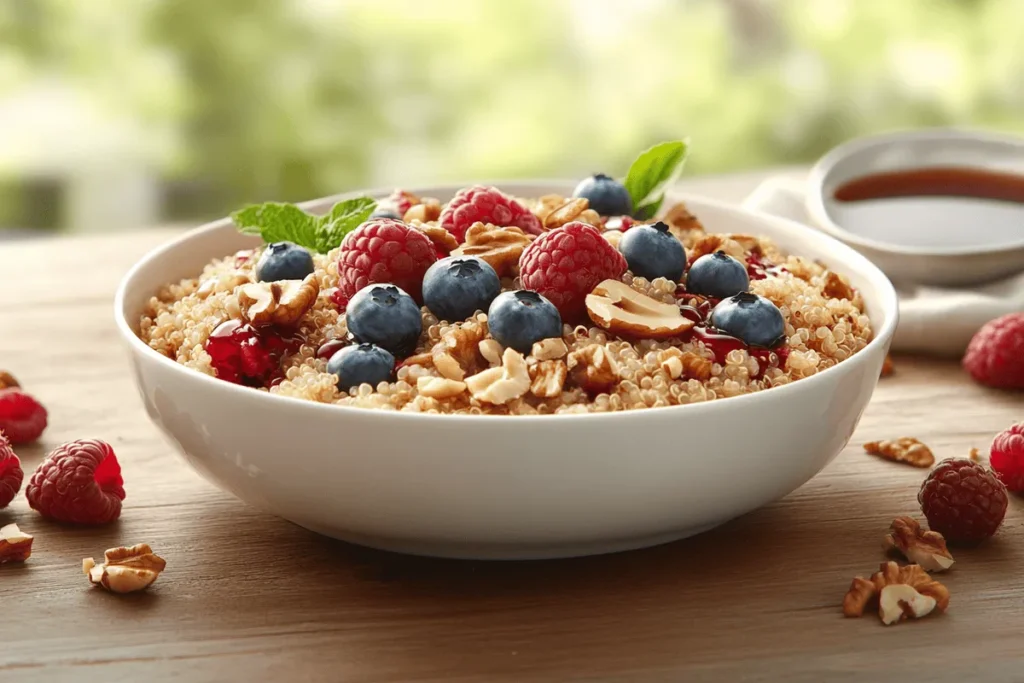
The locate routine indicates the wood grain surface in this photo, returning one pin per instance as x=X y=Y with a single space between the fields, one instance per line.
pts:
x=247 y=596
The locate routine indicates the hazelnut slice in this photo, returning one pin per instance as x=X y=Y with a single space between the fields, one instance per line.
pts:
x=619 y=308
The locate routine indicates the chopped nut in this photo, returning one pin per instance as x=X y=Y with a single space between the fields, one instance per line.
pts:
x=500 y=385
x=548 y=378
x=491 y=350
x=456 y=353
x=680 y=218
x=696 y=366
x=974 y=455
x=899 y=603
x=501 y=247
x=836 y=286
x=709 y=244
x=905 y=449
x=593 y=369
x=887 y=366
x=442 y=239
x=279 y=303
x=619 y=308
x=425 y=359
x=7 y=380
x=428 y=210
x=549 y=349
x=673 y=366
x=749 y=243
x=925 y=548
x=576 y=209
x=225 y=282
x=125 y=570
x=15 y=544
x=439 y=387
x=612 y=237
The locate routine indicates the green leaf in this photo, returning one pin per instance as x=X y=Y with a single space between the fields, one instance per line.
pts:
x=343 y=218
x=647 y=211
x=276 y=222
x=653 y=171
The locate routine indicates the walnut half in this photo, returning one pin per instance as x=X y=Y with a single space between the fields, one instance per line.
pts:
x=905 y=449
x=278 y=303
x=925 y=548
x=900 y=592
x=125 y=570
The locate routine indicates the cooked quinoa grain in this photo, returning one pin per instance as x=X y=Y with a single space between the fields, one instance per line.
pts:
x=822 y=328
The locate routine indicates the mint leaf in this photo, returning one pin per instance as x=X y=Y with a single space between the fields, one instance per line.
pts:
x=343 y=218
x=654 y=170
x=648 y=210
x=276 y=222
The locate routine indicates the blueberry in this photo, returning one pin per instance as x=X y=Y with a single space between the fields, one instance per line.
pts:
x=652 y=252
x=718 y=275
x=750 y=318
x=362 y=364
x=386 y=316
x=456 y=287
x=606 y=195
x=283 y=261
x=518 y=319
x=385 y=211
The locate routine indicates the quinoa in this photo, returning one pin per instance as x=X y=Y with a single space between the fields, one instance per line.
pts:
x=824 y=325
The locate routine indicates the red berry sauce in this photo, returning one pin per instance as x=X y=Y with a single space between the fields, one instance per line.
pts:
x=246 y=355
x=720 y=344
x=622 y=223
x=758 y=268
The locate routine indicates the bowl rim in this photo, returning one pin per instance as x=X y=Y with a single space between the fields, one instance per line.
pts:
x=888 y=307
x=823 y=168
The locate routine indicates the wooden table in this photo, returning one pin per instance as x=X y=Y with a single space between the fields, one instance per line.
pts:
x=247 y=596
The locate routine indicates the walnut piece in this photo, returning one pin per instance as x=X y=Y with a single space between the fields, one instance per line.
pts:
x=887 y=367
x=888 y=588
x=456 y=353
x=974 y=455
x=575 y=209
x=925 y=548
x=680 y=218
x=836 y=287
x=225 y=282
x=619 y=308
x=125 y=570
x=593 y=369
x=548 y=378
x=7 y=380
x=709 y=244
x=612 y=237
x=500 y=385
x=426 y=211
x=442 y=239
x=677 y=363
x=491 y=350
x=439 y=387
x=15 y=544
x=905 y=449
x=549 y=349
x=278 y=303
x=501 y=247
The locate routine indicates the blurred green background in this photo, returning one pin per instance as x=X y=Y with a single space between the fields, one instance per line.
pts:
x=116 y=114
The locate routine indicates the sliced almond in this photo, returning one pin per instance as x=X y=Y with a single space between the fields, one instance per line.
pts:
x=619 y=308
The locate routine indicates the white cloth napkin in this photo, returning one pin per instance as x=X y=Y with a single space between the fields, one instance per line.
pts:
x=933 y=320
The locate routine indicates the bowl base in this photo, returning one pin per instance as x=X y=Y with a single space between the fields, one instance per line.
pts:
x=509 y=551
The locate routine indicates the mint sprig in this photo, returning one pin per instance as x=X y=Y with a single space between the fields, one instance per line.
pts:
x=277 y=222
x=653 y=171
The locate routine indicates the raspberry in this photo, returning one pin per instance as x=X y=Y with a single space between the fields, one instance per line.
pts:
x=22 y=418
x=566 y=264
x=384 y=250
x=995 y=356
x=78 y=483
x=1007 y=456
x=243 y=354
x=10 y=472
x=486 y=205
x=338 y=298
x=963 y=500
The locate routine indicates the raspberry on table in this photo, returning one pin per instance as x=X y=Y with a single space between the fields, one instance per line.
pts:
x=486 y=205
x=995 y=356
x=384 y=251
x=565 y=264
x=1007 y=456
x=78 y=483
x=22 y=418
x=11 y=473
x=963 y=500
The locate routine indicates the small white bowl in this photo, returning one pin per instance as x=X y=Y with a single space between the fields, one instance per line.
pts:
x=494 y=487
x=989 y=253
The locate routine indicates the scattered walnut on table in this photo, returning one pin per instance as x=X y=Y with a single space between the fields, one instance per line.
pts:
x=899 y=592
x=974 y=455
x=125 y=570
x=925 y=548
x=887 y=366
x=905 y=449
x=7 y=380
x=15 y=544
x=280 y=303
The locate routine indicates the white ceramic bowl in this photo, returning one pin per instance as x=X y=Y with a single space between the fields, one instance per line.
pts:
x=508 y=487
